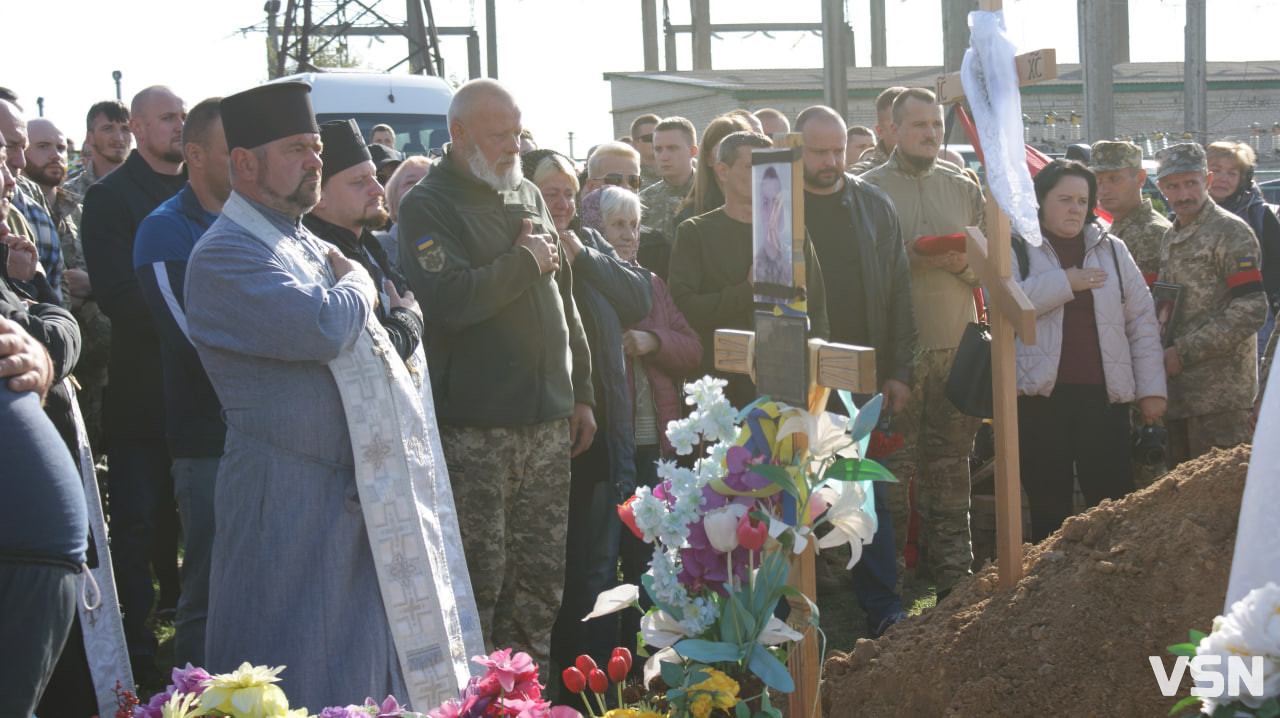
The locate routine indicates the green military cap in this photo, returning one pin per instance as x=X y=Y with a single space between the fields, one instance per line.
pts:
x=1108 y=155
x=1184 y=157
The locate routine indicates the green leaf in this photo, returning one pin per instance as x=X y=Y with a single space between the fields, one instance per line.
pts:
x=1270 y=708
x=1182 y=649
x=672 y=674
x=843 y=469
x=735 y=621
x=769 y=669
x=1226 y=710
x=1196 y=636
x=1184 y=703
x=708 y=651
x=647 y=581
x=867 y=418
x=776 y=474
x=742 y=710
x=875 y=471
x=813 y=607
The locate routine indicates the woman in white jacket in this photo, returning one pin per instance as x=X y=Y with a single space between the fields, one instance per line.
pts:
x=1097 y=351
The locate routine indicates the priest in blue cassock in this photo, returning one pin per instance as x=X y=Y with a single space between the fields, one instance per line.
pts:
x=336 y=549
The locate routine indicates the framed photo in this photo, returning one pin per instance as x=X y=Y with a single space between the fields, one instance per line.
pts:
x=1168 y=300
x=771 y=235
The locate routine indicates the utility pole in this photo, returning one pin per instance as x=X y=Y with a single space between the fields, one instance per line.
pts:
x=835 y=61
x=649 y=26
x=700 y=18
x=1119 y=31
x=879 y=35
x=491 y=32
x=955 y=40
x=1196 y=72
x=1096 y=59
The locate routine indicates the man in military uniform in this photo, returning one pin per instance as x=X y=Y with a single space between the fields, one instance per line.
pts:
x=1118 y=166
x=510 y=368
x=642 y=129
x=1212 y=361
x=674 y=147
x=884 y=131
x=932 y=198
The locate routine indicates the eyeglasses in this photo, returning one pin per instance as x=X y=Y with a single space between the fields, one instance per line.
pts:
x=645 y=138
x=613 y=178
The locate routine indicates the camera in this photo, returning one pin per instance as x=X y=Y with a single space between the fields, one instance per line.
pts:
x=1149 y=444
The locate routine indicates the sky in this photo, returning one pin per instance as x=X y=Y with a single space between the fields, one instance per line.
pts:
x=551 y=53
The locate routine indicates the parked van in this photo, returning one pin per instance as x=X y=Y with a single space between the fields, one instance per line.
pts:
x=415 y=106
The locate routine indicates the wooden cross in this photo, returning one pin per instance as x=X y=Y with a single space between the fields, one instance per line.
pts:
x=789 y=367
x=1013 y=313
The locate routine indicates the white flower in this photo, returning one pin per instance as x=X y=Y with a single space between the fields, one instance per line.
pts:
x=715 y=421
x=682 y=435
x=1250 y=628
x=849 y=523
x=776 y=631
x=721 y=526
x=614 y=600
x=699 y=615
x=660 y=629
x=653 y=667
x=704 y=391
x=649 y=511
x=827 y=432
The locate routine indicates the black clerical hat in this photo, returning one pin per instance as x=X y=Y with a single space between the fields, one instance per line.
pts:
x=266 y=113
x=343 y=147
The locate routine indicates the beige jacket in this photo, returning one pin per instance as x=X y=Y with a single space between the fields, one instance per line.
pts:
x=1132 y=358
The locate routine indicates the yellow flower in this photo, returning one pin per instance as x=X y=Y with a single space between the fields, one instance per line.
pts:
x=647 y=713
x=180 y=705
x=247 y=692
x=716 y=691
x=622 y=713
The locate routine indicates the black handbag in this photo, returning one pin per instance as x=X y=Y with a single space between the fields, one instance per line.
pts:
x=969 y=385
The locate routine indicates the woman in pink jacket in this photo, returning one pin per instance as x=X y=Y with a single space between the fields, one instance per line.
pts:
x=1097 y=352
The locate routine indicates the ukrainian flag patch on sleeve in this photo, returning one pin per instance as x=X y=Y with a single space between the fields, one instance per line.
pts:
x=430 y=255
x=1247 y=279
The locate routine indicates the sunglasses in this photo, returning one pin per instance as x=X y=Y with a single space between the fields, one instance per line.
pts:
x=613 y=178
x=645 y=138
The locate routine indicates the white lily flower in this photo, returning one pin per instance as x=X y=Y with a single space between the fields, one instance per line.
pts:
x=614 y=600
x=660 y=629
x=776 y=631
x=849 y=523
x=826 y=432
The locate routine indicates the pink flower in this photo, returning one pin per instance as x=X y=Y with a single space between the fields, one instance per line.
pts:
x=188 y=680
x=451 y=709
x=389 y=708
x=506 y=667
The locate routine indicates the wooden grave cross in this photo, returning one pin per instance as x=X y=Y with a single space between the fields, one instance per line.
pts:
x=790 y=368
x=990 y=255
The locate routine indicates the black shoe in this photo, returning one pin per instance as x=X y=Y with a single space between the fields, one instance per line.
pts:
x=887 y=621
x=942 y=596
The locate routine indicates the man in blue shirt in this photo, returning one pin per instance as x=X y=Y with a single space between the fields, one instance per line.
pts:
x=193 y=421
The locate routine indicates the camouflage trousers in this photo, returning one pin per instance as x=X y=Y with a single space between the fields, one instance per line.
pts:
x=1195 y=435
x=937 y=439
x=511 y=487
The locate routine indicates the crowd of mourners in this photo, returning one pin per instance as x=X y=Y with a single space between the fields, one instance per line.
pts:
x=163 y=360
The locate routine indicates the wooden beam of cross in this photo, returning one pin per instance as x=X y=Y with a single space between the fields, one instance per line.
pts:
x=991 y=259
x=789 y=367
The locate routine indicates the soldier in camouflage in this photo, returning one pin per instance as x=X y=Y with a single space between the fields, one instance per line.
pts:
x=1212 y=361
x=1118 y=166
x=884 y=131
x=674 y=147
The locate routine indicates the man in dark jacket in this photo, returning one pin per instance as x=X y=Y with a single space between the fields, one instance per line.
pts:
x=139 y=482
x=856 y=234
x=350 y=208
x=509 y=362
x=193 y=415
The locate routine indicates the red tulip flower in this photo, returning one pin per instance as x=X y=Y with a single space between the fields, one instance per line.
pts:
x=752 y=533
x=585 y=664
x=598 y=681
x=617 y=669
x=628 y=516
x=574 y=680
x=624 y=654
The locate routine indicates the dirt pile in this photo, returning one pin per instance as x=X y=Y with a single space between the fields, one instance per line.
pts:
x=1110 y=588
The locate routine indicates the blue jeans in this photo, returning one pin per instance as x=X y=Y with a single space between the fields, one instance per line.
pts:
x=875 y=576
x=137 y=480
x=193 y=481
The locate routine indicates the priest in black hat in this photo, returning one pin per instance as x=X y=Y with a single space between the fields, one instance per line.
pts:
x=350 y=208
x=336 y=547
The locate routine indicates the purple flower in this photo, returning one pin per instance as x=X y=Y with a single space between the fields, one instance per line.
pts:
x=188 y=680
x=154 y=708
x=389 y=708
x=341 y=712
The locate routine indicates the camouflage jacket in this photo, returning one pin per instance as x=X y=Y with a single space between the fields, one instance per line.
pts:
x=649 y=176
x=1214 y=258
x=80 y=182
x=1143 y=230
x=880 y=156
x=661 y=202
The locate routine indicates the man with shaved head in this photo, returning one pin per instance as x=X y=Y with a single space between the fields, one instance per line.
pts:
x=509 y=362
x=133 y=412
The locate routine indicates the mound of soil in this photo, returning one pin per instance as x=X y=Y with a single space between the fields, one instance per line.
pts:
x=1110 y=588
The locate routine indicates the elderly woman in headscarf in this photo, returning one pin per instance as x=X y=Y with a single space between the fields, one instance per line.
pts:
x=610 y=294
